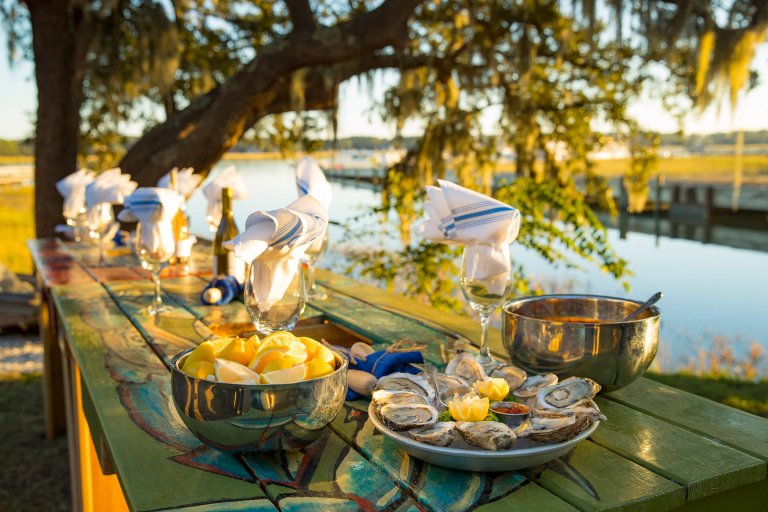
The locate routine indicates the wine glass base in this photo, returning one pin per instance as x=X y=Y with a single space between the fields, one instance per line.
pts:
x=317 y=296
x=156 y=310
x=488 y=362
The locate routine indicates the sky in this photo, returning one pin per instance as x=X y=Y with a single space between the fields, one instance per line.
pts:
x=18 y=102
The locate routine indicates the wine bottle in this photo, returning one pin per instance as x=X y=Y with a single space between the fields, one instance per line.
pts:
x=224 y=261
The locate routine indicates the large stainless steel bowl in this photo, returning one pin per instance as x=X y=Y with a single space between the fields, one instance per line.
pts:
x=263 y=417
x=611 y=352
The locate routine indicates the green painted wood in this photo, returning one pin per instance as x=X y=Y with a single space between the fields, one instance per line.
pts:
x=118 y=369
x=749 y=497
x=619 y=483
x=733 y=427
x=526 y=498
x=703 y=466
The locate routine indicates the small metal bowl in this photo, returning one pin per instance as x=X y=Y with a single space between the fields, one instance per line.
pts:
x=511 y=420
x=258 y=417
x=462 y=391
x=558 y=334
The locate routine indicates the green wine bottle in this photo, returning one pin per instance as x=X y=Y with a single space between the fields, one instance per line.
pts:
x=224 y=261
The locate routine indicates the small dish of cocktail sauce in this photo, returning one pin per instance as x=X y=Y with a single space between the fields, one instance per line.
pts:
x=511 y=414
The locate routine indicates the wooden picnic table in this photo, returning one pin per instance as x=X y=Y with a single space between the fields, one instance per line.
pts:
x=660 y=449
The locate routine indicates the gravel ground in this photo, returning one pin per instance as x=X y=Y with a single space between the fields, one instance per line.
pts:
x=20 y=353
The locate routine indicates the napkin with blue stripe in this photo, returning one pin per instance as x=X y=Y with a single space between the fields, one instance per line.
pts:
x=458 y=215
x=153 y=208
x=278 y=239
x=385 y=362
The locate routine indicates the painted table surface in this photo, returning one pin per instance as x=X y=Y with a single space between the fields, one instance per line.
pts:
x=660 y=449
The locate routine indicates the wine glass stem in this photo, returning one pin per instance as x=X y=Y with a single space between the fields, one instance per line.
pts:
x=158 y=299
x=485 y=353
x=311 y=278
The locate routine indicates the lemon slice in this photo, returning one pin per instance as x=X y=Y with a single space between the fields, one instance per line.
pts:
x=278 y=338
x=311 y=346
x=317 y=368
x=288 y=376
x=206 y=351
x=232 y=372
x=494 y=388
x=468 y=408
x=264 y=357
x=325 y=355
x=199 y=369
x=239 y=351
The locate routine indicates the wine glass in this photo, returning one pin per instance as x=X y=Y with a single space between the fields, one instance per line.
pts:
x=155 y=246
x=275 y=294
x=314 y=253
x=100 y=221
x=77 y=221
x=486 y=280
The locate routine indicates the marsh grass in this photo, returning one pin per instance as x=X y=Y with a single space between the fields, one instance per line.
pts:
x=35 y=472
x=17 y=225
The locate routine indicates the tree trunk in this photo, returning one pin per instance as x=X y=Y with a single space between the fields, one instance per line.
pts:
x=58 y=44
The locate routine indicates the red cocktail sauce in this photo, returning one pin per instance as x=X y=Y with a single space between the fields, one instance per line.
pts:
x=511 y=409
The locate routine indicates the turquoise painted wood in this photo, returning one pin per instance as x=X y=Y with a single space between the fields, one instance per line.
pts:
x=660 y=449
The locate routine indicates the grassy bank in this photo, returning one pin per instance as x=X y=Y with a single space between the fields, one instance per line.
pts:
x=745 y=395
x=35 y=472
x=17 y=225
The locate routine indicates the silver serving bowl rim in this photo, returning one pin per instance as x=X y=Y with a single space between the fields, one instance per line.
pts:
x=176 y=360
x=516 y=303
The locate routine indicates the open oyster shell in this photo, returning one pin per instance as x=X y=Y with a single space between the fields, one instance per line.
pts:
x=532 y=385
x=382 y=397
x=465 y=366
x=490 y=435
x=418 y=384
x=439 y=434
x=514 y=376
x=407 y=416
x=554 y=426
x=571 y=392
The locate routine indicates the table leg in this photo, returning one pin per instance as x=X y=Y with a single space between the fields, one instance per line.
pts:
x=53 y=377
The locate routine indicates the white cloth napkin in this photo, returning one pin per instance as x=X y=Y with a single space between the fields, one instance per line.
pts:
x=109 y=187
x=154 y=208
x=186 y=181
x=310 y=180
x=72 y=189
x=458 y=215
x=276 y=240
x=212 y=191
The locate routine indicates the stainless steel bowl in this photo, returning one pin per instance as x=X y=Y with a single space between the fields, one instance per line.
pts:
x=611 y=352
x=263 y=417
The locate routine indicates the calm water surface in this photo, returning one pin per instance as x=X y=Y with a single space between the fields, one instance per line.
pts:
x=709 y=291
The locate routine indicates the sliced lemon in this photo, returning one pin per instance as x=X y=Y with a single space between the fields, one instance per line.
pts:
x=288 y=376
x=206 y=351
x=230 y=371
x=239 y=351
x=325 y=355
x=220 y=343
x=279 y=338
x=264 y=357
x=311 y=346
x=254 y=341
x=469 y=408
x=317 y=368
x=494 y=389
x=199 y=369
x=278 y=364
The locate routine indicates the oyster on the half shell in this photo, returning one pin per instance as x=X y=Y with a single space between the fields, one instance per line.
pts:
x=490 y=435
x=407 y=416
x=571 y=392
x=514 y=376
x=550 y=425
x=382 y=397
x=439 y=434
x=465 y=365
x=532 y=385
x=399 y=381
x=448 y=381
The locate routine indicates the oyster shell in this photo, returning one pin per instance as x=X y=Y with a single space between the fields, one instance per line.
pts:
x=384 y=397
x=490 y=435
x=448 y=381
x=514 y=376
x=418 y=384
x=549 y=425
x=465 y=366
x=407 y=416
x=439 y=434
x=571 y=392
x=532 y=385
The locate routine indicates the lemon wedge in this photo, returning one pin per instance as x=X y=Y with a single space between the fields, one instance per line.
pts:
x=232 y=372
x=288 y=376
x=495 y=389
x=468 y=408
x=199 y=369
x=317 y=368
x=264 y=357
x=325 y=355
x=206 y=351
x=239 y=351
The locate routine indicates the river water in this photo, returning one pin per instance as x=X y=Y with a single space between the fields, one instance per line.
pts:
x=715 y=297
